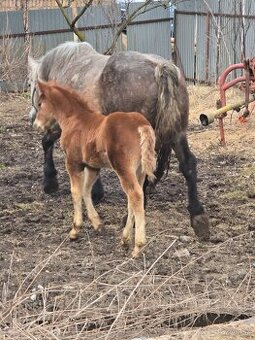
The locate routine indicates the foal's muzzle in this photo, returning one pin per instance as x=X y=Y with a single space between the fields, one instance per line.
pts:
x=38 y=125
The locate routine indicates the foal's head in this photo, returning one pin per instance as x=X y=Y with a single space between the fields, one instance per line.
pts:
x=56 y=101
x=46 y=105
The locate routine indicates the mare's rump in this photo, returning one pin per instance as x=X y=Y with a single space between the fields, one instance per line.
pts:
x=127 y=84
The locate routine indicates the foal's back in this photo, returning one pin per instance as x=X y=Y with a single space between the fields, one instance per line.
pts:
x=120 y=132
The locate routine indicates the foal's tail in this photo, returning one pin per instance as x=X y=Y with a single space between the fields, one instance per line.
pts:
x=147 y=142
x=172 y=112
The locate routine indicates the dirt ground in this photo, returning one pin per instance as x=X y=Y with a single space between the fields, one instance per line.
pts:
x=52 y=288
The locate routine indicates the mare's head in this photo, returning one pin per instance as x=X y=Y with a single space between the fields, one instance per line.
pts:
x=33 y=68
x=46 y=105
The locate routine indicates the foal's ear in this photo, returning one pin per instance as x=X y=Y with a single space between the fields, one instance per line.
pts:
x=44 y=88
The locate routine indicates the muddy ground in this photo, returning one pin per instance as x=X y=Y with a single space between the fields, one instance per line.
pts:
x=91 y=289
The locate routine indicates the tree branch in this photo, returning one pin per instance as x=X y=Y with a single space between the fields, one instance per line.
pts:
x=88 y=4
x=70 y=23
x=140 y=10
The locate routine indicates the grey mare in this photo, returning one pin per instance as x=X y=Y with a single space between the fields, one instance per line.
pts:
x=126 y=81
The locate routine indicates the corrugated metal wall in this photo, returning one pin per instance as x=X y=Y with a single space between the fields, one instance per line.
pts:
x=44 y=20
x=47 y=28
x=150 y=31
x=101 y=37
x=99 y=25
x=209 y=36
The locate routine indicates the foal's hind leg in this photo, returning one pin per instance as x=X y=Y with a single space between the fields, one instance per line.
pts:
x=50 y=182
x=143 y=181
x=134 y=193
x=187 y=164
x=89 y=179
x=127 y=231
x=76 y=175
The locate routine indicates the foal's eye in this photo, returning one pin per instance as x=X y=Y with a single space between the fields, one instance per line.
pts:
x=39 y=104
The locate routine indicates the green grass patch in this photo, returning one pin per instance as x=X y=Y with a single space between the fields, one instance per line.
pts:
x=3 y=166
x=26 y=95
x=2 y=129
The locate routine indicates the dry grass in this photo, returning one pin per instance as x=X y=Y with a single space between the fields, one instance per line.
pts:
x=124 y=303
x=113 y=308
x=203 y=99
x=13 y=64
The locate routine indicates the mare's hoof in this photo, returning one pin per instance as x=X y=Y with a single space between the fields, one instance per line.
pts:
x=50 y=186
x=151 y=188
x=200 y=224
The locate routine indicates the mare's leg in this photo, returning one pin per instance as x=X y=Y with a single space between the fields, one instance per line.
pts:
x=97 y=191
x=89 y=179
x=76 y=175
x=134 y=193
x=50 y=182
x=187 y=165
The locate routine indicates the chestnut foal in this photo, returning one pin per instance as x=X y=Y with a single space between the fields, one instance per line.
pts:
x=124 y=142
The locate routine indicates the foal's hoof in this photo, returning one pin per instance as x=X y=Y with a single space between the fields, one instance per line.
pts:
x=97 y=225
x=50 y=186
x=100 y=230
x=200 y=224
x=73 y=234
x=125 y=243
x=136 y=252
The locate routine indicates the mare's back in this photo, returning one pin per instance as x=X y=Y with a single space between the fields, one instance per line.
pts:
x=127 y=84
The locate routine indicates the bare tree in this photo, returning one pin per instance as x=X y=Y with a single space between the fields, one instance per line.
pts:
x=24 y=8
x=143 y=7
x=72 y=21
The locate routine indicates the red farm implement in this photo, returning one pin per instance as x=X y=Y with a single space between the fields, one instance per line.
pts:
x=247 y=85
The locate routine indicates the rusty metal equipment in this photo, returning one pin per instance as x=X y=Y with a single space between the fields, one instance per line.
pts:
x=247 y=81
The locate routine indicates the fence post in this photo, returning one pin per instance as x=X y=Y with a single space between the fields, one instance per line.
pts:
x=24 y=8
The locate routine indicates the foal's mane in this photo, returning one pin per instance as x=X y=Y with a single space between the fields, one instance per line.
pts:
x=74 y=101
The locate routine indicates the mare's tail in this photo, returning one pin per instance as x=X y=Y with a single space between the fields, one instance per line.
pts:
x=147 y=142
x=172 y=112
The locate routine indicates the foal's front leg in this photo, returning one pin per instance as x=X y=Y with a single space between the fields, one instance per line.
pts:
x=90 y=177
x=76 y=175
